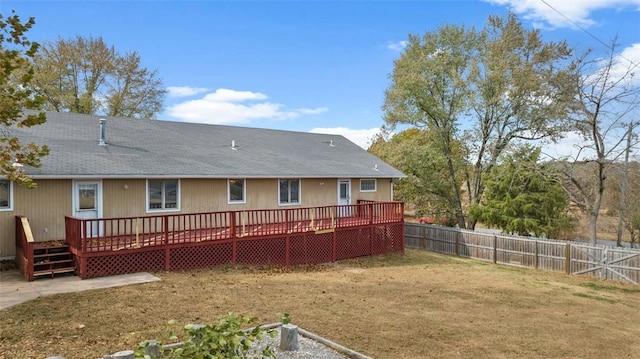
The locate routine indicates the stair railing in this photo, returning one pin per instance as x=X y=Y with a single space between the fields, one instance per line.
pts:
x=24 y=247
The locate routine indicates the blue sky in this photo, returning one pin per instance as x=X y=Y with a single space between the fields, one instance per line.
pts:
x=301 y=65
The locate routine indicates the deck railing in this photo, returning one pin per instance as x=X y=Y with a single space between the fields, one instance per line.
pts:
x=284 y=235
x=113 y=234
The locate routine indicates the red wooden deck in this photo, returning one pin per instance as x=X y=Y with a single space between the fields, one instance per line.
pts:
x=108 y=246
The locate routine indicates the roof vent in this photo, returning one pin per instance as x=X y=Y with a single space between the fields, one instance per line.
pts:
x=103 y=132
x=375 y=167
x=331 y=143
x=233 y=145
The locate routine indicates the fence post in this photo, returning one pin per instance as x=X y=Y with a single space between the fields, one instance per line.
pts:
x=458 y=234
x=567 y=258
x=495 y=249
x=603 y=262
x=535 y=243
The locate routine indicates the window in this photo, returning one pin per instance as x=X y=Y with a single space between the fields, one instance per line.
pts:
x=368 y=185
x=162 y=194
x=289 y=191
x=236 y=190
x=6 y=196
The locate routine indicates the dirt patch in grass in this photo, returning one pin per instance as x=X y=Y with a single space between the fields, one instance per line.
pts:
x=420 y=305
x=7 y=265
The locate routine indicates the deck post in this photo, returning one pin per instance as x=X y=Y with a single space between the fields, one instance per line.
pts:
x=287 y=249
x=165 y=224
x=83 y=267
x=287 y=238
x=334 y=249
x=232 y=224
x=234 y=239
x=167 y=258
x=83 y=234
x=372 y=231
x=29 y=264
x=167 y=251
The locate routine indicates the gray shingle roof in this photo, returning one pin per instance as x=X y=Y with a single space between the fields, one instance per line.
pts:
x=151 y=148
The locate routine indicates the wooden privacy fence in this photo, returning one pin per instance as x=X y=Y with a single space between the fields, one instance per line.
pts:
x=620 y=264
x=109 y=246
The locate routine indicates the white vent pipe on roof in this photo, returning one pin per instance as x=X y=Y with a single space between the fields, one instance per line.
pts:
x=103 y=132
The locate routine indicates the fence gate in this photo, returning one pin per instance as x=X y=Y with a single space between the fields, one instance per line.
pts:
x=605 y=263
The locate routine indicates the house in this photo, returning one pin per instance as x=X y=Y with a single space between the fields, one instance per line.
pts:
x=105 y=167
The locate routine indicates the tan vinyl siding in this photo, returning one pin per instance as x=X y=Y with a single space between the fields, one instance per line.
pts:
x=203 y=195
x=124 y=197
x=382 y=193
x=206 y=195
x=44 y=206
x=7 y=233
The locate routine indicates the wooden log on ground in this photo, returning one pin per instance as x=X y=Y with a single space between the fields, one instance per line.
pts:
x=289 y=337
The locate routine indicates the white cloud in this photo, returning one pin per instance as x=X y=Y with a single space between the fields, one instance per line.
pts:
x=185 y=91
x=361 y=138
x=231 y=107
x=625 y=61
x=567 y=147
x=543 y=15
x=226 y=95
x=398 y=45
x=312 y=111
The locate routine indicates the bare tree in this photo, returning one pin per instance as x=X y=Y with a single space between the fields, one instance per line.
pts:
x=607 y=97
x=623 y=211
x=85 y=75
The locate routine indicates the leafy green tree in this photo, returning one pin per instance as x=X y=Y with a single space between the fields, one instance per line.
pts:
x=425 y=188
x=85 y=75
x=524 y=197
x=16 y=73
x=626 y=200
x=487 y=88
x=632 y=224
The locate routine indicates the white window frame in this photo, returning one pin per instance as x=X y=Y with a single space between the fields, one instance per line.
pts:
x=375 y=185
x=163 y=209
x=244 y=191
x=299 y=192
x=10 y=206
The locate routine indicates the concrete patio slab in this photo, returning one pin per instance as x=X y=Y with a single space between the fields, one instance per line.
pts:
x=14 y=289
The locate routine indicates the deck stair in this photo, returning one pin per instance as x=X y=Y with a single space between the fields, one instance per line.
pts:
x=52 y=259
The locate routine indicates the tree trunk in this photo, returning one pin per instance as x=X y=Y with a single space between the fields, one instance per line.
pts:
x=593 y=225
x=597 y=203
x=623 y=186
